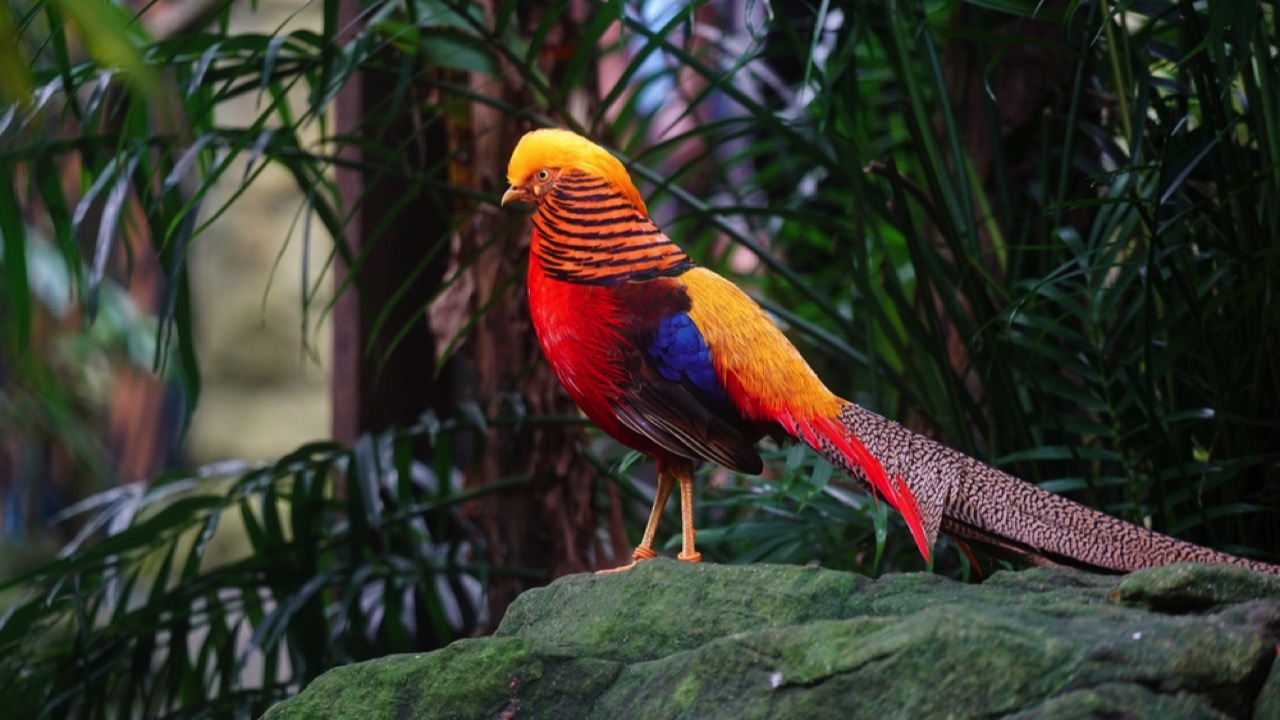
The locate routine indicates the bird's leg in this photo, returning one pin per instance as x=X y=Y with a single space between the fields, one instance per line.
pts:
x=665 y=484
x=645 y=550
x=687 y=551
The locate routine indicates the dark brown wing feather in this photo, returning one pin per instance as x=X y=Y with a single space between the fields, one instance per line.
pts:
x=669 y=414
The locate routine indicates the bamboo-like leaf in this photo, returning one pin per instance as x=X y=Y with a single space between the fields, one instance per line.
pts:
x=14 y=238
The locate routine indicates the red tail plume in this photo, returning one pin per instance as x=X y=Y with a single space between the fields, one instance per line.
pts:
x=830 y=438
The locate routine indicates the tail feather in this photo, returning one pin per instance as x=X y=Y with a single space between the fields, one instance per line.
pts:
x=978 y=503
x=843 y=449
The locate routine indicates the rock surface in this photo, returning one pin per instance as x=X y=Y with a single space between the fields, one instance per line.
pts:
x=673 y=640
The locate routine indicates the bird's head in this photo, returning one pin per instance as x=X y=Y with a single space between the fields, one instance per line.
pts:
x=543 y=156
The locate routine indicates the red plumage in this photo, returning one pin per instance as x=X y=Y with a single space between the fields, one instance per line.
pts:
x=578 y=327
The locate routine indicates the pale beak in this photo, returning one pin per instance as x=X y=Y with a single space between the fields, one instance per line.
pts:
x=510 y=196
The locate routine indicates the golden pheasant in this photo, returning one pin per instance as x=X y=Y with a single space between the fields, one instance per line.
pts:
x=677 y=362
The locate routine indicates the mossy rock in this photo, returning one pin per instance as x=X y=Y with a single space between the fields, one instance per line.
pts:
x=673 y=640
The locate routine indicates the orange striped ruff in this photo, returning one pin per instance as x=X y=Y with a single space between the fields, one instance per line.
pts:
x=591 y=233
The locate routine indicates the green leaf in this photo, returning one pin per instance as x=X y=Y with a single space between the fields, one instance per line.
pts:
x=13 y=236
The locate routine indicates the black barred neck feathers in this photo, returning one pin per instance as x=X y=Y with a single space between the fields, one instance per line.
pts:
x=591 y=223
x=589 y=232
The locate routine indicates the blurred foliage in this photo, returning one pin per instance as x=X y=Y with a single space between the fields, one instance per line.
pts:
x=142 y=616
x=1044 y=233
x=54 y=390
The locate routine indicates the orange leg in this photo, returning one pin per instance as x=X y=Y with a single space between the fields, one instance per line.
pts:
x=687 y=552
x=645 y=551
x=665 y=485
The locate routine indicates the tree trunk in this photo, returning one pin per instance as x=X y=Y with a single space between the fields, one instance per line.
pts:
x=546 y=527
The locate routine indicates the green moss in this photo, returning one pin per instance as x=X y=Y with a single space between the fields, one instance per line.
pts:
x=670 y=640
x=686 y=692
x=664 y=606
x=467 y=679
x=1186 y=588
x=1130 y=702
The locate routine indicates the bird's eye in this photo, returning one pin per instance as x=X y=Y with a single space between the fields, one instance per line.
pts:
x=544 y=175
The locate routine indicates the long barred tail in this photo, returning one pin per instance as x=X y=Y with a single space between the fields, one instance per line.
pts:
x=845 y=451
x=977 y=503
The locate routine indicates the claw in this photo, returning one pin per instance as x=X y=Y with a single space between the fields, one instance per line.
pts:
x=643 y=553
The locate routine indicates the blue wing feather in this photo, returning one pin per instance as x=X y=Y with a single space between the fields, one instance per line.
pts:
x=680 y=354
x=673 y=395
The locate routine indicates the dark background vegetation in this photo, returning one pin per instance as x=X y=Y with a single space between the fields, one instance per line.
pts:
x=1044 y=233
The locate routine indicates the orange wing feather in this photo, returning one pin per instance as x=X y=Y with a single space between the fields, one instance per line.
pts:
x=768 y=379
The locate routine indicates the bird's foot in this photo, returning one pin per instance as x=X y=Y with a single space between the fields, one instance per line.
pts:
x=641 y=554
x=690 y=557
